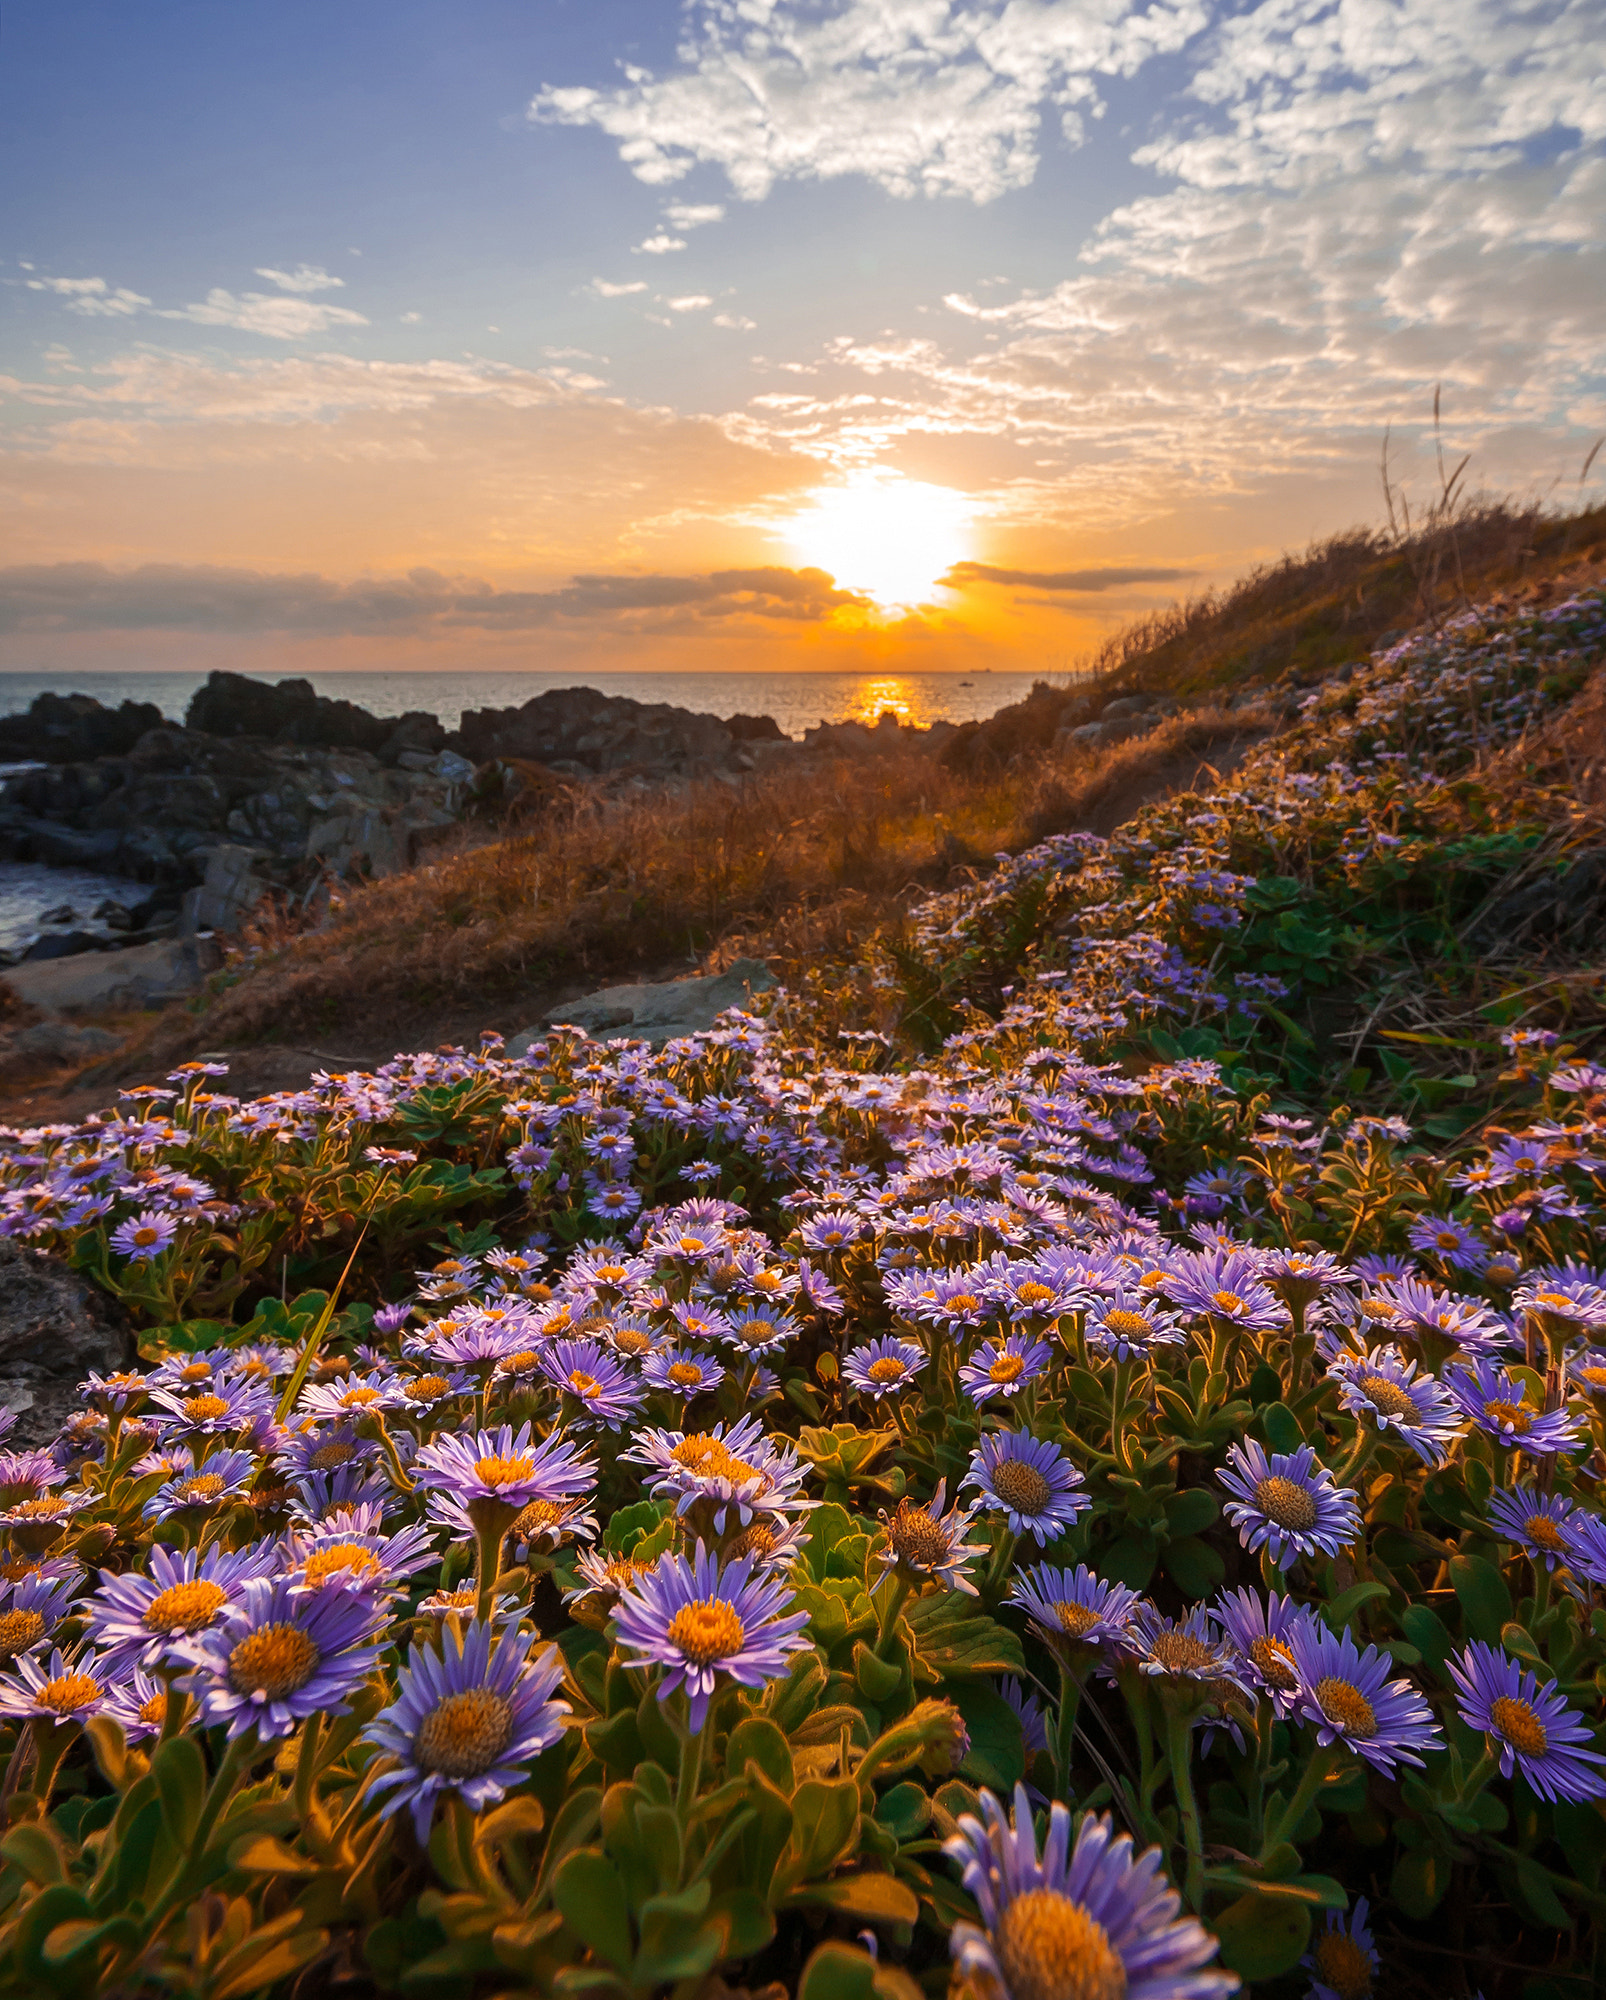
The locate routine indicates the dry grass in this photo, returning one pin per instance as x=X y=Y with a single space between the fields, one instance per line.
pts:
x=799 y=860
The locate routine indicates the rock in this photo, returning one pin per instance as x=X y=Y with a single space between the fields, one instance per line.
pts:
x=147 y=975
x=64 y=728
x=591 y=733
x=63 y=1041
x=287 y=712
x=63 y=913
x=755 y=729
x=61 y=944
x=115 y=916
x=1125 y=704
x=1023 y=729
x=55 y=1327
x=367 y=842
x=415 y=734
x=229 y=892
x=658 y=1013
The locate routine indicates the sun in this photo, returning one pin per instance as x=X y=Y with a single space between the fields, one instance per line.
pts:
x=880 y=533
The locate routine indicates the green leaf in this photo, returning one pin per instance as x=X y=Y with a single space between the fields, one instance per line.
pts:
x=957 y=1644
x=905 y=1810
x=1282 y=1427
x=758 y=1741
x=1485 y=1600
x=1427 y=1631
x=1339 y=1610
x=1191 y=1512
x=825 y=1830
x=1534 y=1884
x=1129 y=1559
x=1262 y=1937
x=1193 y=1566
x=880 y=1899
x=744 y=1920
x=676 y=1942
x=997 y=1755
x=837 y=1972
x=615 y=1741
x=180 y=1773
x=1421 y=1877
x=588 y=1890
x=878 y=1680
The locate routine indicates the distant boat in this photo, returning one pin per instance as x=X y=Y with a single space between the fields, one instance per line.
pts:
x=966 y=684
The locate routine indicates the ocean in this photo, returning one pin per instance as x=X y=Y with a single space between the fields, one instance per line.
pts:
x=797 y=701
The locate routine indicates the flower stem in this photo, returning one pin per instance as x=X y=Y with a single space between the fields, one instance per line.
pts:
x=1286 y=1824
x=891 y=1604
x=488 y=1540
x=1179 y=1746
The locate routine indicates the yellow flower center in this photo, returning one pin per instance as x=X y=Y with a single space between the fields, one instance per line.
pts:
x=1275 y=1662
x=1020 y=1486
x=887 y=1368
x=537 y=1517
x=1387 y=1396
x=185 y=1607
x=1594 y=1376
x=152 y=1710
x=1050 y=1948
x=631 y=1340
x=18 y=1631
x=1286 y=1502
x=1181 y=1653
x=200 y=1491
x=1512 y=1416
x=1075 y=1619
x=464 y=1734
x=1128 y=1325
x=426 y=1388
x=1447 y=1240
x=328 y=1456
x=360 y=1397
x=1006 y=1368
x=685 y=1374
x=196 y=1371
x=1544 y=1534
x=1153 y=1281
x=68 y=1693
x=766 y=1281
x=1380 y=1309
x=692 y=1244
x=1342 y=1964
x=494 y=1471
x=1346 y=1707
x=274 y=1660
x=45 y=1508
x=707 y=1630
x=1227 y=1302
x=340 y=1559
x=756 y=1540
x=1031 y=1293
x=1516 y=1722
x=205 y=1409
x=963 y=1302
x=916 y=1538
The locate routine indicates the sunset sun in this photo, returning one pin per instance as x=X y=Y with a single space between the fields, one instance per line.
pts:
x=891 y=537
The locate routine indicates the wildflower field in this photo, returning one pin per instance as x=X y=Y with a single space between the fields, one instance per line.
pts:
x=1064 y=1458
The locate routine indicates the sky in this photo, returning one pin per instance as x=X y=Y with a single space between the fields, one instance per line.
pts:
x=761 y=334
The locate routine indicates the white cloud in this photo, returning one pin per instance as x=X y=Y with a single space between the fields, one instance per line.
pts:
x=659 y=245
x=411 y=318
x=263 y=312
x=604 y=290
x=304 y=278
x=736 y=321
x=690 y=302
x=694 y=214
x=920 y=96
x=92 y=297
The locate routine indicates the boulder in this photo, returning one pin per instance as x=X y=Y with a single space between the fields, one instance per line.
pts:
x=414 y=732
x=66 y=728
x=229 y=892
x=60 y=944
x=755 y=729
x=63 y=1041
x=286 y=711
x=657 y=1013
x=145 y=975
x=54 y=1328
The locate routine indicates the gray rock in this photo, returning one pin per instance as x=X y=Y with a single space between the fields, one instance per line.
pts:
x=54 y=1328
x=146 y=975
x=1126 y=704
x=63 y=1041
x=229 y=892
x=657 y=1013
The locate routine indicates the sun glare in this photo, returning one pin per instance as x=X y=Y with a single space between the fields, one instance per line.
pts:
x=889 y=536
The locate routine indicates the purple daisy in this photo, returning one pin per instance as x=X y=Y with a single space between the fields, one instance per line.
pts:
x=1192 y=1650
x=1227 y=1285
x=1538 y=1523
x=1127 y=1325
x=1287 y=1504
x=1498 y=1403
x=1463 y=1249
x=67 y=1687
x=1004 y=1368
x=470 y=1715
x=1383 y=1388
x=1584 y=1535
x=737 y=1471
x=1030 y=1481
x=1090 y=1918
x=505 y=1467
x=1345 y=1693
x=883 y=1367
x=1078 y=1614
x=340 y=1556
x=33 y=1606
x=683 y=1371
x=1530 y=1728
x=1259 y=1628
x=203 y=1488
x=144 y=1236
x=1342 y=1960
x=925 y=1545
x=138 y=1705
x=138 y=1618
x=220 y=1408
x=699 y=1621
x=279 y=1655
x=606 y=1391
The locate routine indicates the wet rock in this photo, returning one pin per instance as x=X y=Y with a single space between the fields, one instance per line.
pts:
x=66 y=728
x=61 y=944
x=55 y=1327
x=657 y=1013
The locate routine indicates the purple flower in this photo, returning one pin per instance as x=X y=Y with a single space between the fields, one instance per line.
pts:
x=1345 y=1693
x=34 y=1606
x=1077 y=1613
x=925 y=1545
x=341 y=1556
x=606 y=1391
x=139 y=1617
x=138 y=1705
x=65 y=1688
x=1538 y=1523
x=738 y=1471
x=1463 y=1249
x=700 y=1621
x=683 y=1371
x=1287 y=1504
x=1004 y=1368
x=1030 y=1481
x=1383 y=1388
x=471 y=1714
x=144 y=1236
x=1259 y=1628
x=1092 y=1918
x=1342 y=1960
x=279 y=1655
x=1530 y=1728
x=203 y=1488
x=500 y=1466
x=217 y=1409
x=1127 y=1325
x=883 y=1367
x=1497 y=1402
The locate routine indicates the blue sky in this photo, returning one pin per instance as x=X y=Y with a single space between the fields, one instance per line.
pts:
x=417 y=330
